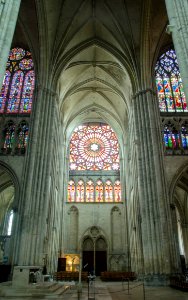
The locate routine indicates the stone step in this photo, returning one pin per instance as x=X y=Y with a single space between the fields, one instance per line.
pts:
x=39 y=291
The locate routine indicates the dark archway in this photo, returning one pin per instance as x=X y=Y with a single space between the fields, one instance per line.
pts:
x=94 y=255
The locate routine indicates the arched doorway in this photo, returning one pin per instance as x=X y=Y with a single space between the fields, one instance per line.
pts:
x=179 y=206
x=94 y=255
x=7 y=198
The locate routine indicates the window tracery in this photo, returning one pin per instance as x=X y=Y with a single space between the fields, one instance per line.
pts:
x=90 y=191
x=23 y=136
x=9 y=136
x=94 y=147
x=169 y=84
x=80 y=191
x=71 y=191
x=94 y=164
x=18 y=86
x=175 y=136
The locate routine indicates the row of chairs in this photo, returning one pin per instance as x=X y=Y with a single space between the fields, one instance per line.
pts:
x=69 y=276
x=117 y=276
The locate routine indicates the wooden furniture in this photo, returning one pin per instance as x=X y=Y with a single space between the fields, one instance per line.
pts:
x=69 y=276
x=117 y=276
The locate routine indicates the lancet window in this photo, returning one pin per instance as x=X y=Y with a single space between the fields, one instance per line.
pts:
x=80 y=189
x=71 y=191
x=90 y=191
x=9 y=136
x=17 y=90
x=175 y=139
x=170 y=90
x=23 y=135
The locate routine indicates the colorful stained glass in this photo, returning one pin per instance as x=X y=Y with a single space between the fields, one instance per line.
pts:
x=26 y=64
x=27 y=94
x=184 y=137
x=99 y=194
x=80 y=191
x=23 y=135
x=71 y=191
x=169 y=84
x=15 y=92
x=89 y=191
x=16 y=54
x=4 y=91
x=9 y=133
x=171 y=139
x=94 y=147
x=108 y=191
x=117 y=191
x=19 y=82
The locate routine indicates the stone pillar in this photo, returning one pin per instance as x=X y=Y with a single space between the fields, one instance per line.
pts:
x=178 y=24
x=8 y=17
x=35 y=195
x=156 y=224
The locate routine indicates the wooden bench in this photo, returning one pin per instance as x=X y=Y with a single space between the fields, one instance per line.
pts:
x=69 y=276
x=117 y=276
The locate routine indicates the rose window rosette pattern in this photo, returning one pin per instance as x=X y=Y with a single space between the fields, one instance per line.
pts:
x=94 y=147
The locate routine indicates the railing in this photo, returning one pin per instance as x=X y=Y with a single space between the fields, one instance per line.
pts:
x=133 y=287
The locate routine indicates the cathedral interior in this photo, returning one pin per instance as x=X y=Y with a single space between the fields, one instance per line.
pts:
x=94 y=136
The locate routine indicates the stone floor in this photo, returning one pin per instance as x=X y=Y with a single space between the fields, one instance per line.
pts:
x=119 y=291
x=99 y=291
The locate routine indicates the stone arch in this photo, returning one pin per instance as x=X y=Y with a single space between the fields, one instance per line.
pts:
x=9 y=196
x=95 y=247
x=179 y=206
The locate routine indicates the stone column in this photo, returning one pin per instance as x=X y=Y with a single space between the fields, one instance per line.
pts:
x=156 y=224
x=178 y=24
x=35 y=197
x=8 y=17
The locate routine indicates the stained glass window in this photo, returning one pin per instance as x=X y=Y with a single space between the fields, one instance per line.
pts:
x=10 y=222
x=94 y=147
x=108 y=191
x=90 y=191
x=4 y=91
x=71 y=191
x=171 y=138
x=80 y=191
x=18 y=85
x=117 y=191
x=169 y=84
x=23 y=135
x=99 y=194
x=9 y=135
x=184 y=137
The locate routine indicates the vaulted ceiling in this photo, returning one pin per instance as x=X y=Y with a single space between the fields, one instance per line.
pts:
x=93 y=54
